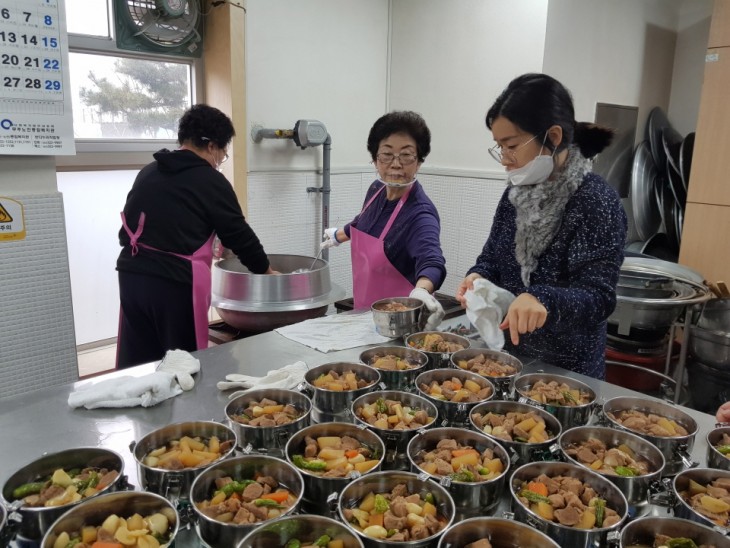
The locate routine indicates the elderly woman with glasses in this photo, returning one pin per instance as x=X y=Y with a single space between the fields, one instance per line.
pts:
x=395 y=239
x=177 y=205
x=557 y=238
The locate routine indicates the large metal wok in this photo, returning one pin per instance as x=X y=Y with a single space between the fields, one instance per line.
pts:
x=258 y=302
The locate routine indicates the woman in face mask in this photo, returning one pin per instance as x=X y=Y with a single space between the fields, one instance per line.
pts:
x=557 y=239
x=395 y=240
x=177 y=205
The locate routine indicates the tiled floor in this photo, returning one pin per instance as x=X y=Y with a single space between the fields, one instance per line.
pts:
x=97 y=360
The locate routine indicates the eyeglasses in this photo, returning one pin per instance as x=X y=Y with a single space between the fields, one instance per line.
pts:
x=225 y=153
x=500 y=155
x=405 y=158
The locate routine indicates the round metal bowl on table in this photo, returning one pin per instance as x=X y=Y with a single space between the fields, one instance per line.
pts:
x=643 y=531
x=687 y=485
x=568 y=415
x=562 y=534
x=710 y=347
x=175 y=484
x=715 y=315
x=436 y=358
x=260 y=302
x=335 y=405
x=269 y=440
x=676 y=449
x=397 y=316
x=321 y=491
x=471 y=498
x=634 y=488
x=453 y=411
x=397 y=379
x=715 y=457
x=219 y=534
x=396 y=441
x=385 y=482
x=481 y=361
x=36 y=520
x=305 y=529
x=520 y=452
x=123 y=504
x=499 y=531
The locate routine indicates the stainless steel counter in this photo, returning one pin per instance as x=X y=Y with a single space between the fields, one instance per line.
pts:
x=41 y=422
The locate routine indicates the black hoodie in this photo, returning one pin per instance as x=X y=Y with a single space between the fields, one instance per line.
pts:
x=185 y=200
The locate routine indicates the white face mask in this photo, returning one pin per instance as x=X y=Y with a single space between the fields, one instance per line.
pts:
x=537 y=171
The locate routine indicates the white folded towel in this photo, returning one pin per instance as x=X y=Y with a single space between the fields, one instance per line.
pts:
x=287 y=378
x=183 y=365
x=146 y=391
x=335 y=332
x=486 y=305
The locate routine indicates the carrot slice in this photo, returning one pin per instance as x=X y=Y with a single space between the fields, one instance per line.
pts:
x=100 y=544
x=538 y=487
x=462 y=452
x=352 y=453
x=278 y=496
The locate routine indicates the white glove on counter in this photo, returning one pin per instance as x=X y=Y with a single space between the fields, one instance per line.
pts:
x=330 y=238
x=287 y=378
x=181 y=364
x=433 y=306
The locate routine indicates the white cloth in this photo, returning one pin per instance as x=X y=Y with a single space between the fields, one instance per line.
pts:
x=335 y=332
x=486 y=305
x=287 y=378
x=183 y=365
x=146 y=391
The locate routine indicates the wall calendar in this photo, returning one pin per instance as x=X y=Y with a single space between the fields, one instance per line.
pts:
x=35 y=99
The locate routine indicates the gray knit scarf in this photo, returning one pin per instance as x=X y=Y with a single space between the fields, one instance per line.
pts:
x=540 y=210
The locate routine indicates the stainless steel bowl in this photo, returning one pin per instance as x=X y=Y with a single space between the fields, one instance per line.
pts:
x=505 y=384
x=224 y=535
x=453 y=413
x=175 y=484
x=36 y=521
x=569 y=416
x=520 y=453
x=269 y=440
x=331 y=405
x=643 y=531
x=715 y=315
x=710 y=347
x=470 y=499
x=396 y=441
x=397 y=324
x=397 y=380
x=676 y=450
x=703 y=476
x=499 y=531
x=568 y=536
x=635 y=489
x=320 y=493
x=384 y=482
x=436 y=360
x=306 y=529
x=715 y=459
x=124 y=504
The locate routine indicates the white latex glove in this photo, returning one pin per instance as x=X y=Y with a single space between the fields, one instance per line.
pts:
x=433 y=306
x=287 y=377
x=181 y=364
x=330 y=238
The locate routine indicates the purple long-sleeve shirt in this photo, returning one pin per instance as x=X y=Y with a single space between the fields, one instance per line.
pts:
x=413 y=243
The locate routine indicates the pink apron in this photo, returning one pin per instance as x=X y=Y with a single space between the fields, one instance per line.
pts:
x=373 y=276
x=200 y=262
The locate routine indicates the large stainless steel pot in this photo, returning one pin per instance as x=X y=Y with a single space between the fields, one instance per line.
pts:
x=635 y=489
x=710 y=347
x=36 y=521
x=470 y=498
x=384 y=482
x=321 y=492
x=175 y=484
x=520 y=453
x=703 y=476
x=224 y=535
x=644 y=530
x=715 y=315
x=568 y=415
x=676 y=450
x=715 y=459
x=563 y=535
x=257 y=302
x=124 y=504
x=504 y=384
x=436 y=359
x=452 y=413
x=305 y=529
x=333 y=405
x=397 y=380
x=499 y=531
x=269 y=440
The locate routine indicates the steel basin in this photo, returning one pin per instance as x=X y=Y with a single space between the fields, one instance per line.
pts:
x=643 y=531
x=436 y=360
x=710 y=347
x=332 y=405
x=397 y=324
x=504 y=384
x=715 y=459
x=397 y=380
x=715 y=315
x=500 y=531
x=452 y=413
x=703 y=476
x=569 y=416
x=304 y=528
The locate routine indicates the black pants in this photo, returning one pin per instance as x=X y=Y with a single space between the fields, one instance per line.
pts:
x=156 y=316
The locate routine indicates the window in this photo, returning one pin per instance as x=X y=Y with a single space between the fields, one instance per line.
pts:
x=89 y=17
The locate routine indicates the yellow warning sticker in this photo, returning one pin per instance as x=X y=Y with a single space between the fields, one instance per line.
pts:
x=4 y=215
x=12 y=220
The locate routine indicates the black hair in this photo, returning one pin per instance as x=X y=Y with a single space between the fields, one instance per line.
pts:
x=536 y=102
x=401 y=121
x=202 y=123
